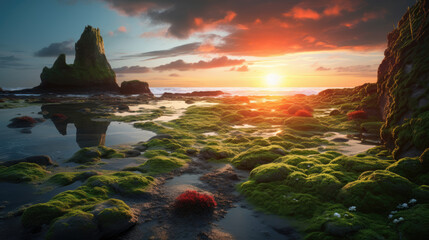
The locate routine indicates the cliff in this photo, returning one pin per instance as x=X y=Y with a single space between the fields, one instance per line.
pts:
x=403 y=84
x=90 y=70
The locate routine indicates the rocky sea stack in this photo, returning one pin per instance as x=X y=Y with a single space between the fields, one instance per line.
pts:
x=90 y=71
x=403 y=84
x=135 y=87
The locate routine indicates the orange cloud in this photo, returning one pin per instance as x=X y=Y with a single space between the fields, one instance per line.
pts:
x=122 y=29
x=301 y=13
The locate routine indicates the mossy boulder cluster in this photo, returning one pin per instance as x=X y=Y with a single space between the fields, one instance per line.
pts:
x=403 y=84
x=90 y=70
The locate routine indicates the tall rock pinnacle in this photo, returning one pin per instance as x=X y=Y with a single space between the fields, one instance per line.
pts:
x=90 y=70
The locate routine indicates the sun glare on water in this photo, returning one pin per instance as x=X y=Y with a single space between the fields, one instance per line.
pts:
x=272 y=79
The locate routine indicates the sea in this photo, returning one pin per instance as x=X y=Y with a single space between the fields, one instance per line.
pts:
x=233 y=91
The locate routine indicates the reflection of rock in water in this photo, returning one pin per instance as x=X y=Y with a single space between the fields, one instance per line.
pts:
x=91 y=133
x=88 y=132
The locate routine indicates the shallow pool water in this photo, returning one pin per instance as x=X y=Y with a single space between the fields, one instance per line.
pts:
x=60 y=139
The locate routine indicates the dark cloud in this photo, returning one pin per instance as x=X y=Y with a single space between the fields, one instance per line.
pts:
x=190 y=48
x=132 y=69
x=273 y=27
x=181 y=65
x=55 y=49
x=174 y=75
x=11 y=61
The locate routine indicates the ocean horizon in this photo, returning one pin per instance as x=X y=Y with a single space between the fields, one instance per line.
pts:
x=234 y=91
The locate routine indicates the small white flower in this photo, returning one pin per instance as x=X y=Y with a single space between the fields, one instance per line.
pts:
x=296 y=179
x=395 y=220
x=337 y=215
x=393 y=212
x=412 y=201
x=390 y=216
x=401 y=219
x=346 y=215
x=352 y=208
x=401 y=206
x=308 y=165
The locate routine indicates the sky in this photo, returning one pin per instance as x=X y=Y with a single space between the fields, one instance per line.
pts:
x=205 y=43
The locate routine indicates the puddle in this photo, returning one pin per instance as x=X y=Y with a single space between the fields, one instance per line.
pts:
x=60 y=139
x=243 y=126
x=210 y=134
x=349 y=147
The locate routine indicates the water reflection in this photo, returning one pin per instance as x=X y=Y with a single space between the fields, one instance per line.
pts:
x=88 y=132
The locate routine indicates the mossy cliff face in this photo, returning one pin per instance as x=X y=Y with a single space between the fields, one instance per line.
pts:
x=90 y=70
x=403 y=84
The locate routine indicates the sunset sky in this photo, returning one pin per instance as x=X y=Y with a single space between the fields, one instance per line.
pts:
x=205 y=43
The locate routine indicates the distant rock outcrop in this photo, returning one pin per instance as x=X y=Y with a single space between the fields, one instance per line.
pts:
x=193 y=94
x=135 y=87
x=403 y=84
x=90 y=70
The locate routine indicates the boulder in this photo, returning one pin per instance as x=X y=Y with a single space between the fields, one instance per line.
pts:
x=135 y=87
x=90 y=70
x=42 y=160
x=22 y=122
x=193 y=94
x=403 y=82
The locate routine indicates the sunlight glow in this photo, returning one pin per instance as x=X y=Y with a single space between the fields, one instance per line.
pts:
x=272 y=79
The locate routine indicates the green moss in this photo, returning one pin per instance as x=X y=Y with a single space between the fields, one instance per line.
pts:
x=271 y=172
x=154 y=153
x=66 y=178
x=358 y=164
x=215 y=153
x=257 y=156
x=305 y=124
x=79 y=224
x=377 y=191
x=22 y=172
x=115 y=212
x=415 y=218
x=90 y=155
x=159 y=164
x=407 y=167
x=324 y=184
x=43 y=213
x=124 y=183
x=424 y=160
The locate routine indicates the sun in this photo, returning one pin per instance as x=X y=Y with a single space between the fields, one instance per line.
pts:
x=272 y=79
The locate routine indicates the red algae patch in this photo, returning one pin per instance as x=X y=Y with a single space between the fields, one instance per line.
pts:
x=360 y=114
x=194 y=202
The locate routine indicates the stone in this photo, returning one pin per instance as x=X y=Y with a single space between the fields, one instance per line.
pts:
x=402 y=77
x=135 y=87
x=193 y=94
x=335 y=112
x=42 y=160
x=161 y=136
x=90 y=70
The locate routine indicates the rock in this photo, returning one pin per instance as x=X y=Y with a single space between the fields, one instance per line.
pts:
x=90 y=70
x=42 y=160
x=335 y=112
x=113 y=217
x=123 y=107
x=193 y=94
x=402 y=85
x=140 y=148
x=132 y=153
x=26 y=130
x=161 y=136
x=135 y=87
x=191 y=151
x=340 y=140
x=77 y=225
x=189 y=101
x=22 y=122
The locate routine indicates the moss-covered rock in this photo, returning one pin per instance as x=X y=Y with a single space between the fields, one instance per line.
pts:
x=125 y=183
x=411 y=227
x=424 y=160
x=257 y=156
x=135 y=87
x=377 y=191
x=66 y=178
x=22 y=172
x=74 y=225
x=407 y=167
x=402 y=84
x=90 y=70
x=358 y=164
x=42 y=213
x=271 y=172
x=89 y=155
x=215 y=153
x=305 y=124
